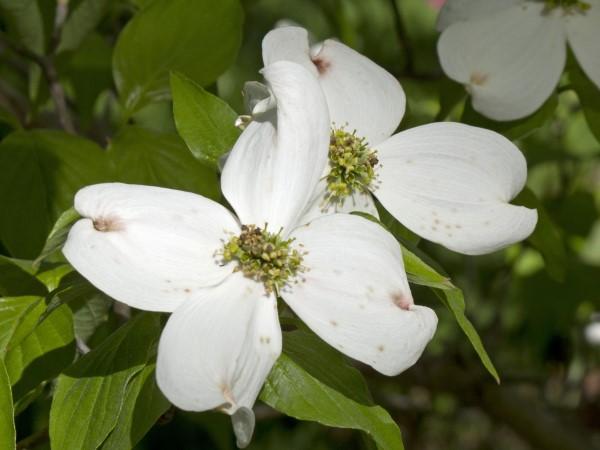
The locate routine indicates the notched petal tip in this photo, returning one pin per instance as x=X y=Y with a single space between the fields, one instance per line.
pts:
x=108 y=224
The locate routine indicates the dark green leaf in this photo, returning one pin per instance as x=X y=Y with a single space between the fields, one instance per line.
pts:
x=199 y=39
x=42 y=172
x=205 y=122
x=589 y=96
x=14 y=281
x=146 y=157
x=143 y=406
x=514 y=129
x=8 y=434
x=81 y=21
x=24 y=22
x=546 y=236
x=91 y=394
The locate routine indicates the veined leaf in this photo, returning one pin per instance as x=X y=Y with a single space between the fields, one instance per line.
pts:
x=205 y=122
x=311 y=381
x=199 y=39
x=8 y=434
x=91 y=394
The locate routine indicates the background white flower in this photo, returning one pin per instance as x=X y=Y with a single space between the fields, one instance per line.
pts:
x=448 y=182
x=510 y=54
x=159 y=249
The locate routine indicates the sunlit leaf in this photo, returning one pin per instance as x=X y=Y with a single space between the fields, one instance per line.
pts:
x=312 y=382
x=204 y=121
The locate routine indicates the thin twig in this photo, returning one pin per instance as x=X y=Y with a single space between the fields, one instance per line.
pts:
x=46 y=63
x=34 y=440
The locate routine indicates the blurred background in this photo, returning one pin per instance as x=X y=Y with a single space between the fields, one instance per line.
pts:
x=538 y=316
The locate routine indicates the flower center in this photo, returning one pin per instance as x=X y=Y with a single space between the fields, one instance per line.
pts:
x=352 y=163
x=568 y=6
x=264 y=257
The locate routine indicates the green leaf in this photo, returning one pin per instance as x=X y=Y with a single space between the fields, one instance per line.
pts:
x=514 y=129
x=91 y=394
x=205 y=122
x=546 y=237
x=143 y=406
x=14 y=281
x=8 y=433
x=297 y=393
x=455 y=302
x=15 y=323
x=419 y=272
x=312 y=381
x=199 y=39
x=589 y=96
x=81 y=21
x=42 y=171
x=24 y=22
x=42 y=354
x=58 y=235
x=160 y=159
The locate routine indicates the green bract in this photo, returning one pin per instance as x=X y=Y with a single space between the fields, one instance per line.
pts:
x=264 y=256
x=352 y=164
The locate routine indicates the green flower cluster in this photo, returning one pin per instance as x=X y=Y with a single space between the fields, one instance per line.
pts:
x=264 y=257
x=568 y=5
x=352 y=163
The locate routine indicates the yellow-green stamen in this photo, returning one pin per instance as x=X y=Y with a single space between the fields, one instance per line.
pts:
x=264 y=257
x=352 y=165
x=569 y=6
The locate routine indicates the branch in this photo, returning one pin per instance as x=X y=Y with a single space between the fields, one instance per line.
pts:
x=34 y=440
x=47 y=66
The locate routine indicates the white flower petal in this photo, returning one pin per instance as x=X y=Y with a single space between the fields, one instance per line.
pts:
x=318 y=206
x=356 y=296
x=217 y=349
x=451 y=183
x=463 y=10
x=288 y=43
x=359 y=93
x=583 y=31
x=157 y=245
x=510 y=63
x=276 y=163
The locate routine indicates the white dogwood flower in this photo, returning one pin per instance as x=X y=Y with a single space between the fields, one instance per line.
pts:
x=450 y=183
x=220 y=274
x=510 y=54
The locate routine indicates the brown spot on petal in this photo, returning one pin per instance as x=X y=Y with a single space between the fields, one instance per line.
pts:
x=106 y=224
x=333 y=323
x=401 y=300
x=321 y=64
x=479 y=78
x=380 y=348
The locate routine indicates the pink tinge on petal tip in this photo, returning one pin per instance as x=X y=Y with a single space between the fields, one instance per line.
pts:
x=436 y=4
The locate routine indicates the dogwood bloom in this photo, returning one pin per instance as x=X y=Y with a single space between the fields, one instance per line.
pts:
x=221 y=273
x=448 y=182
x=510 y=54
